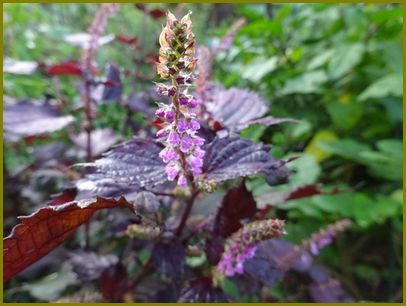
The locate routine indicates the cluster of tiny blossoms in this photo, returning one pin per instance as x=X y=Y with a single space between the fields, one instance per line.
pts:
x=243 y=244
x=325 y=236
x=182 y=153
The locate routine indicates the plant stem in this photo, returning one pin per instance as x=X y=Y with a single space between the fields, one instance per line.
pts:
x=145 y=270
x=88 y=128
x=186 y=213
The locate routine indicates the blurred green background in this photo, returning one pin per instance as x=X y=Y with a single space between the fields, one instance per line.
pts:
x=336 y=68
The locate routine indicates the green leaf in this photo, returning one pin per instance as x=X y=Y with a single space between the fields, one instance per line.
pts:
x=364 y=210
x=387 y=162
x=306 y=170
x=390 y=85
x=50 y=287
x=315 y=149
x=347 y=148
x=320 y=59
x=345 y=59
x=253 y=132
x=259 y=68
x=196 y=261
x=345 y=116
x=306 y=83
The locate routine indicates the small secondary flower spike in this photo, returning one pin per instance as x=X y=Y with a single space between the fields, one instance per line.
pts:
x=182 y=152
x=243 y=244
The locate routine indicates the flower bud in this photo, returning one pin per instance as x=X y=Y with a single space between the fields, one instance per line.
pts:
x=193 y=103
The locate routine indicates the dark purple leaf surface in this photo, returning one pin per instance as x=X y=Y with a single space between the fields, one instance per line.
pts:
x=201 y=290
x=26 y=118
x=236 y=109
x=141 y=101
x=326 y=289
x=233 y=157
x=90 y=265
x=135 y=162
x=50 y=153
x=169 y=259
x=98 y=184
x=111 y=88
x=146 y=200
x=273 y=258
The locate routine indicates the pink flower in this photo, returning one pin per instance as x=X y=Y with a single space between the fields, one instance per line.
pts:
x=173 y=138
x=194 y=125
x=198 y=140
x=161 y=133
x=195 y=162
x=167 y=155
x=232 y=261
x=169 y=115
x=183 y=100
x=182 y=126
x=193 y=103
x=196 y=171
x=160 y=112
x=172 y=172
x=185 y=144
x=199 y=152
x=182 y=182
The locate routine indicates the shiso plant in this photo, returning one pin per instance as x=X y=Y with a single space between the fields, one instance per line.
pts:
x=160 y=179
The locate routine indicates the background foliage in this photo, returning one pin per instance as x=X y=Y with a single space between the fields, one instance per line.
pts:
x=336 y=68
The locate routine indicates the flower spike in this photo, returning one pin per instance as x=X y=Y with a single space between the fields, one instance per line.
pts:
x=182 y=153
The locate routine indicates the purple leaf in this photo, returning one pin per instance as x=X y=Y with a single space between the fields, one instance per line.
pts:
x=326 y=289
x=111 y=88
x=82 y=40
x=232 y=157
x=98 y=184
x=101 y=140
x=141 y=101
x=50 y=153
x=19 y=67
x=273 y=258
x=263 y=270
x=235 y=109
x=89 y=265
x=135 y=162
x=146 y=200
x=169 y=259
x=202 y=291
x=26 y=118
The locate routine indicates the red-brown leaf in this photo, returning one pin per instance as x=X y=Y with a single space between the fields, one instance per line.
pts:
x=304 y=192
x=42 y=231
x=157 y=13
x=67 y=68
x=126 y=39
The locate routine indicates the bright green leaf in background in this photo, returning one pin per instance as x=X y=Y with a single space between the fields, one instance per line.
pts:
x=345 y=58
x=390 y=85
x=259 y=68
